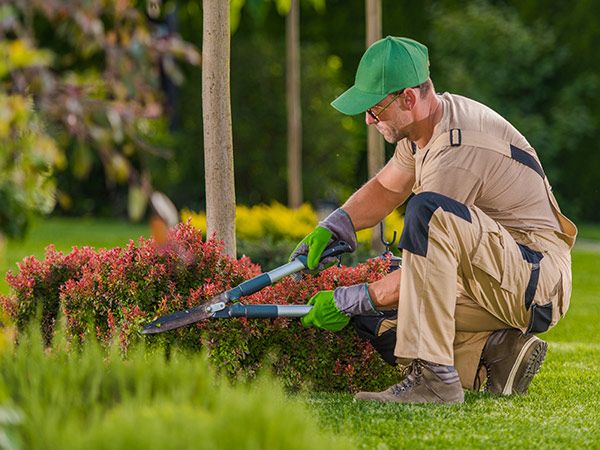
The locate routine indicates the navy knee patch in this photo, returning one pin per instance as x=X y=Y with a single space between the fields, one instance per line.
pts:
x=415 y=235
x=369 y=328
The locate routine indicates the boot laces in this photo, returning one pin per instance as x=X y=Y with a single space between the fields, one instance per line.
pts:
x=414 y=377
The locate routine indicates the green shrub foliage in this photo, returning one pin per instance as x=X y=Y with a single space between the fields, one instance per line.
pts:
x=92 y=399
x=110 y=294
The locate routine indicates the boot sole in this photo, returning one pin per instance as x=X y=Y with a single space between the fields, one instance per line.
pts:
x=533 y=364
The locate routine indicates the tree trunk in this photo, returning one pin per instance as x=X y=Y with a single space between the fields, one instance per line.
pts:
x=216 y=112
x=375 y=145
x=2 y=247
x=294 y=109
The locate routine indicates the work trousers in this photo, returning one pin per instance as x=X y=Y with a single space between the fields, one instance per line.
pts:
x=464 y=276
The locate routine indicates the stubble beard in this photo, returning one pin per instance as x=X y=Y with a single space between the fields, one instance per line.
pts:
x=392 y=135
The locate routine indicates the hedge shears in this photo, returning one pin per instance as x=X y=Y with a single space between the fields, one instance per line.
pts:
x=218 y=307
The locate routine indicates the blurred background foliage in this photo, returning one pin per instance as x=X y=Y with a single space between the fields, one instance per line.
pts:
x=533 y=64
x=27 y=161
x=280 y=223
x=106 y=84
x=267 y=234
x=92 y=70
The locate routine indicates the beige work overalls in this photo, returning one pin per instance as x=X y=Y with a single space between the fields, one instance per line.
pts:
x=464 y=275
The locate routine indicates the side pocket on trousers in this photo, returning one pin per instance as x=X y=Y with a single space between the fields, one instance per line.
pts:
x=541 y=318
x=565 y=295
x=492 y=258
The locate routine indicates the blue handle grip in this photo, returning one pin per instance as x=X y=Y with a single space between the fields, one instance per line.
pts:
x=261 y=281
x=249 y=287
x=253 y=311
x=268 y=311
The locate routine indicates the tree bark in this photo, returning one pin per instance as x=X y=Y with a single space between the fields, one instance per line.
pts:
x=2 y=247
x=216 y=113
x=294 y=108
x=375 y=145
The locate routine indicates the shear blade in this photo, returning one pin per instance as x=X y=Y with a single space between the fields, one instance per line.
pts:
x=182 y=318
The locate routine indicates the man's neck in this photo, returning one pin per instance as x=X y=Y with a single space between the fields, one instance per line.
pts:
x=423 y=129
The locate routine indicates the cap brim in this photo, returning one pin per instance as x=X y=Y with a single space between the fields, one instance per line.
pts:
x=354 y=101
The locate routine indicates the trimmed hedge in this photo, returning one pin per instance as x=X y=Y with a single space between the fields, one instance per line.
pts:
x=110 y=294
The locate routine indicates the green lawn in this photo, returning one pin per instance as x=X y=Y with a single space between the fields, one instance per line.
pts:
x=562 y=409
x=589 y=231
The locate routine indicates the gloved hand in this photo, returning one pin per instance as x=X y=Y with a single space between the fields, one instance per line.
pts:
x=337 y=226
x=332 y=309
x=325 y=314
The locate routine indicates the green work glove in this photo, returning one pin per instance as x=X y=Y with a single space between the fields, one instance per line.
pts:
x=325 y=314
x=315 y=244
x=337 y=226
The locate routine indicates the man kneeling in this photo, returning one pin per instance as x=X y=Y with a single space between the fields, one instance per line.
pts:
x=486 y=250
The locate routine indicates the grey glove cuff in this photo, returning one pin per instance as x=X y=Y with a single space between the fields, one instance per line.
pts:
x=340 y=224
x=355 y=300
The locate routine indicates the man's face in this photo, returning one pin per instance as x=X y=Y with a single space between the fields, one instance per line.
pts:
x=390 y=117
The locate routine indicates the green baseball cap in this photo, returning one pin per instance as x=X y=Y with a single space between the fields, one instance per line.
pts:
x=389 y=65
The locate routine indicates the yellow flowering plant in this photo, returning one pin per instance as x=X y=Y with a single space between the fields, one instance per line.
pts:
x=393 y=222
x=279 y=222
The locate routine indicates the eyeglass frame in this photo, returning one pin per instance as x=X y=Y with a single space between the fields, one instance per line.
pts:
x=375 y=116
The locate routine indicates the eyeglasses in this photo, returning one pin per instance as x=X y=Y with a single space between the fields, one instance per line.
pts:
x=375 y=115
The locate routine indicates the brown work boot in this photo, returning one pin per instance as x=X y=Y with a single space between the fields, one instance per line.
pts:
x=421 y=385
x=511 y=359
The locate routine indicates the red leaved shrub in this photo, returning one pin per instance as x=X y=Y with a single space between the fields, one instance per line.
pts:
x=111 y=293
x=37 y=286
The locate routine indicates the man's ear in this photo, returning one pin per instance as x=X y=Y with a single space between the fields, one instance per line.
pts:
x=409 y=99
